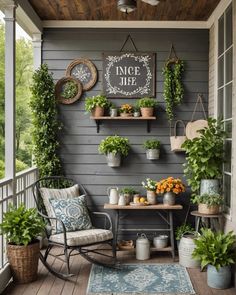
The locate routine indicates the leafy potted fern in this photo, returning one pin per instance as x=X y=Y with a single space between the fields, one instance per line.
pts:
x=205 y=156
x=96 y=105
x=216 y=252
x=21 y=227
x=208 y=203
x=152 y=147
x=147 y=106
x=114 y=147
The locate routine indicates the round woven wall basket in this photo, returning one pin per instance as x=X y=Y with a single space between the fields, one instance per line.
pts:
x=59 y=90
x=24 y=262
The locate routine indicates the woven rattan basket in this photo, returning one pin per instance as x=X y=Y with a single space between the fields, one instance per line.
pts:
x=204 y=209
x=24 y=262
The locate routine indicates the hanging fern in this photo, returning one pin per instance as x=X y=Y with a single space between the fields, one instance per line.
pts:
x=173 y=86
x=45 y=123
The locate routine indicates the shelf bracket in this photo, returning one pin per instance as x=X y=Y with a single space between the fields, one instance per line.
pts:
x=98 y=125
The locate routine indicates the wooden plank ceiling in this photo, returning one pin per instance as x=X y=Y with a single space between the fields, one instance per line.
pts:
x=171 y=10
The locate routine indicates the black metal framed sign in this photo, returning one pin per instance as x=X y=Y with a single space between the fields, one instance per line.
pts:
x=129 y=74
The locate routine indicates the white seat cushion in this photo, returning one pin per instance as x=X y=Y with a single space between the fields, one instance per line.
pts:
x=83 y=237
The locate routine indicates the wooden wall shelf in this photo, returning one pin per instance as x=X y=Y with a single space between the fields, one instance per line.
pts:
x=98 y=120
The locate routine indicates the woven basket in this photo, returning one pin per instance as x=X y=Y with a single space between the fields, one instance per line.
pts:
x=204 y=209
x=24 y=262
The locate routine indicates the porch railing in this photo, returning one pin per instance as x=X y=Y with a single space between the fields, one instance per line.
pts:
x=24 y=182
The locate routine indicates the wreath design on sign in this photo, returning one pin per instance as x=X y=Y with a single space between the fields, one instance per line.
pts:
x=144 y=60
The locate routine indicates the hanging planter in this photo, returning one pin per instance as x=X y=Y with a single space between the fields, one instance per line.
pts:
x=152 y=147
x=113 y=147
x=68 y=90
x=173 y=86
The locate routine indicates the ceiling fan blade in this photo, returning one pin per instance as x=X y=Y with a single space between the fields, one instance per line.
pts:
x=151 y=2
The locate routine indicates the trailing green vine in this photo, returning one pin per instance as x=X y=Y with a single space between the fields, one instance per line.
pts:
x=173 y=86
x=45 y=123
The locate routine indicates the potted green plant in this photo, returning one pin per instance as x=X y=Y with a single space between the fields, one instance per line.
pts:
x=136 y=111
x=96 y=105
x=146 y=106
x=113 y=110
x=151 y=186
x=205 y=156
x=208 y=203
x=182 y=229
x=128 y=193
x=22 y=227
x=152 y=147
x=216 y=250
x=113 y=147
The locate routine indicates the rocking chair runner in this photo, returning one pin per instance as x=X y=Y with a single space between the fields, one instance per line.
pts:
x=74 y=240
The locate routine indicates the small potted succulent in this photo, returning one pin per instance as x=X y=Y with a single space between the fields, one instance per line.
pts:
x=22 y=227
x=170 y=188
x=113 y=110
x=147 y=106
x=128 y=193
x=136 y=111
x=150 y=186
x=113 y=147
x=208 y=203
x=216 y=251
x=126 y=110
x=96 y=105
x=152 y=147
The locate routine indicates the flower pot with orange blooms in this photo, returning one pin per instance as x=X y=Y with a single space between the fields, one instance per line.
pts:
x=126 y=110
x=170 y=188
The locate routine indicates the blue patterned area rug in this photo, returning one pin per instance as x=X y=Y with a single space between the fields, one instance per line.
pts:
x=145 y=279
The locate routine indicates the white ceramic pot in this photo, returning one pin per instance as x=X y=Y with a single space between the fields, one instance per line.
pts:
x=186 y=248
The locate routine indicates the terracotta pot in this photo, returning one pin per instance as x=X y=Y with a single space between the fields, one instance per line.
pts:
x=125 y=115
x=147 y=112
x=24 y=262
x=204 y=209
x=98 y=112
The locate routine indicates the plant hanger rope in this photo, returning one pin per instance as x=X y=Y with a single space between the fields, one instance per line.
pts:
x=173 y=86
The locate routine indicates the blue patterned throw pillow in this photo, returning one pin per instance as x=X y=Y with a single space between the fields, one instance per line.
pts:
x=73 y=213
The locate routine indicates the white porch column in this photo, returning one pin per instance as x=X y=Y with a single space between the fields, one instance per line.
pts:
x=37 y=45
x=9 y=11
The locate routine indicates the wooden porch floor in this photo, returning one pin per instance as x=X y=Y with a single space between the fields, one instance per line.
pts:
x=77 y=285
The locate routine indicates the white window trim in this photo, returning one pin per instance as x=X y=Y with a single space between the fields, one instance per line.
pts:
x=217 y=16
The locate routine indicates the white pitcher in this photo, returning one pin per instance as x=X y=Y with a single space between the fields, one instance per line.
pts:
x=113 y=195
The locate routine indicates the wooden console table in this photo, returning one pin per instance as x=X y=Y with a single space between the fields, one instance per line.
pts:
x=160 y=209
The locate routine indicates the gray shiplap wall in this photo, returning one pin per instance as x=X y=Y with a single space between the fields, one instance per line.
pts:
x=79 y=141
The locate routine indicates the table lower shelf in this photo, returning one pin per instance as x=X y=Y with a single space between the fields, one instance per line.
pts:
x=153 y=249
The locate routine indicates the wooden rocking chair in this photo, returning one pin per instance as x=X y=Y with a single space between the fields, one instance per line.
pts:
x=79 y=241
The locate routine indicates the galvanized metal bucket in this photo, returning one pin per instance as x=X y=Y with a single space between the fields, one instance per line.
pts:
x=113 y=160
x=153 y=154
x=219 y=279
x=210 y=186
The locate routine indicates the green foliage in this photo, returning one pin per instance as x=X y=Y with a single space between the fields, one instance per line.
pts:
x=209 y=200
x=21 y=226
x=96 y=101
x=173 y=87
x=216 y=249
x=69 y=90
x=181 y=230
x=128 y=191
x=114 y=144
x=146 y=102
x=45 y=123
x=20 y=166
x=205 y=154
x=152 y=144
